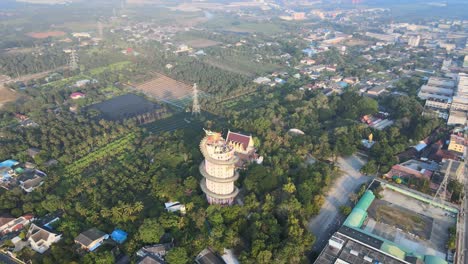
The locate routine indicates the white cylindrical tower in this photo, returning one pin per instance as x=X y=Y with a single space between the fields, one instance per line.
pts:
x=218 y=169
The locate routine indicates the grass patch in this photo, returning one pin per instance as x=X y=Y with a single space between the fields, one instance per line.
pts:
x=110 y=150
x=110 y=68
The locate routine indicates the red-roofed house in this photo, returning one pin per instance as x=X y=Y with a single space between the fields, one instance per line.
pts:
x=77 y=95
x=10 y=224
x=241 y=143
x=412 y=168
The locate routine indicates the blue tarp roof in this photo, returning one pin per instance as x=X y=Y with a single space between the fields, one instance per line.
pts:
x=8 y=163
x=119 y=236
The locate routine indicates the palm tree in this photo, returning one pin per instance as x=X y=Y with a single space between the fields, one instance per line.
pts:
x=354 y=198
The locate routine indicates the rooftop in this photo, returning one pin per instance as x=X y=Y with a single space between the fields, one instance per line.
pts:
x=207 y=256
x=87 y=237
x=238 y=138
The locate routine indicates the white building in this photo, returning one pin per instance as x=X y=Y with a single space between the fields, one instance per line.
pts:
x=459 y=108
x=41 y=239
x=218 y=169
x=414 y=41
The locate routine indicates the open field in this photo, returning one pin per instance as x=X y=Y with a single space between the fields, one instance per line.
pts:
x=201 y=43
x=7 y=95
x=46 y=34
x=110 y=68
x=356 y=42
x=402 y=218
x=165 y=89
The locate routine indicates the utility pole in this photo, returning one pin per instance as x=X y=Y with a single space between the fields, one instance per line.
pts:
x=196 y=110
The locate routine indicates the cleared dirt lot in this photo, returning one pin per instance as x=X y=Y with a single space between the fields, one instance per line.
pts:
x=7 y=95
x=164 y=87
x=402 y=218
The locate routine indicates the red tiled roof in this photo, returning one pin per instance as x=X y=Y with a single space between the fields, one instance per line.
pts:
x=18 y=227
x=28 y=216
x=238 y=138
x=77 y=95
x=4 y=219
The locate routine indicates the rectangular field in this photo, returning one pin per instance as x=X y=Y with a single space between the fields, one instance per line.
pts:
x=165 y=88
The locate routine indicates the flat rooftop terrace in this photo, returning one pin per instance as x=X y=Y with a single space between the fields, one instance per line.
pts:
x=352 y=252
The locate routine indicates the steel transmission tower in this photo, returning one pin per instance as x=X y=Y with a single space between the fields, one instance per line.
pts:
x=73 y=64
x=196 y=105
x=442 y=190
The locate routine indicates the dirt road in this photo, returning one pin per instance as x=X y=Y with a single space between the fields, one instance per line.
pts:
x=329 y=218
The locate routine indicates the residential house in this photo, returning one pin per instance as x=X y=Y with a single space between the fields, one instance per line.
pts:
x=413 y=168
x=32 y=152
x=151 y=260
x=91 y=239
x=10 y=224
x=457 y=143
x=207 y=256
x=376 y=91
x=31 y=179
x=77 y=95
x=153 y=254
x=5 y=219
x=262 y=80
x=156 y=250
x=41 y=239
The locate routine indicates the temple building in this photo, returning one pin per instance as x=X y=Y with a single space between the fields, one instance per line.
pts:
x=242 y=144
x=218 y=169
